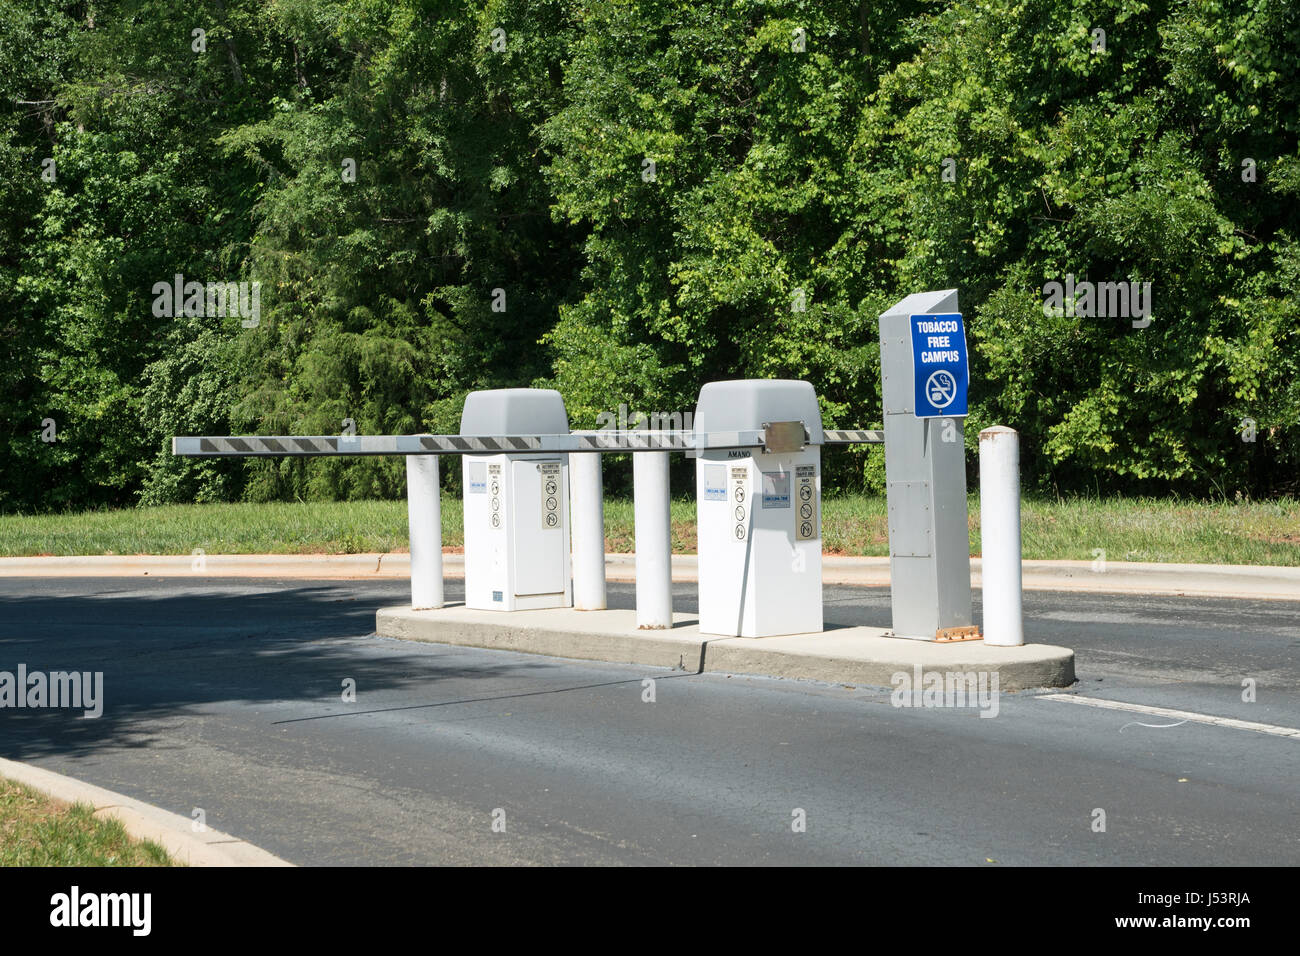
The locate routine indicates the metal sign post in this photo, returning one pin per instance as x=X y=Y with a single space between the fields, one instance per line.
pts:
x=925 y=471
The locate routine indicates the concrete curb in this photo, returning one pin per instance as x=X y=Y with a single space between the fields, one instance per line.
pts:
x=143 y=821
x=580 y=635
x=212 y=565
x=845 y=655
x=1120 y=577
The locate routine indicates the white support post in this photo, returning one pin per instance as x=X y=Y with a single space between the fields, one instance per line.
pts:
x=424 y=516
x=654 y=575
x=587 y=506
x=1000 y=534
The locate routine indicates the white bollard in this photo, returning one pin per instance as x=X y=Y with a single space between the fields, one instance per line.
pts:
x=653 y=529
x=587 y=506
x=1000 y=534
x=424 y=518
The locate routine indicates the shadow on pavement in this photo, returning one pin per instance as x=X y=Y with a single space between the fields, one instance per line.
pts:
x=166 y=652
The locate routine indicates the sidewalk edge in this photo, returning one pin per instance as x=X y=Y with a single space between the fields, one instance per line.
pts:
x=144 y=821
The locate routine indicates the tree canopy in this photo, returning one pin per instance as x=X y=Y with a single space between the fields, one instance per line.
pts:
x=624 y=199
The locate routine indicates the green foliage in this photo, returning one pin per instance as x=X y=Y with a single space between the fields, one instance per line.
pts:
x=665 y=193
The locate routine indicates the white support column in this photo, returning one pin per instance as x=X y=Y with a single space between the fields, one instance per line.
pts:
x=424 y=517
x=654 y=576
x=1000 y=535
x=587 y=506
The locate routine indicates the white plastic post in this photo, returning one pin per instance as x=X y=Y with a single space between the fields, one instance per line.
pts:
x=1000 y=534
x=587 y=506
x=424 y=517
x=654 y=576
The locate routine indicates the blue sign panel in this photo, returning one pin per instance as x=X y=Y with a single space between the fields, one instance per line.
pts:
x=941 y=372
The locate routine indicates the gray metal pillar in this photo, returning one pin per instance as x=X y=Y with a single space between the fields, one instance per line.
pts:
x=925 y=481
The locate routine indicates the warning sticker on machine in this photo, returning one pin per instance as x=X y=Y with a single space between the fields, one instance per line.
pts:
x=776 y=489
x=805 y=520
x=494 y=489
x=550 y=478
x=739 y=502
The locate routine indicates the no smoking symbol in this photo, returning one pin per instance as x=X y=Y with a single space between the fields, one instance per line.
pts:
x=941 y=388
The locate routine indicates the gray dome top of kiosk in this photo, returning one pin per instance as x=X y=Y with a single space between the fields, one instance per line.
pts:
x=514 y=411
x=748 y=403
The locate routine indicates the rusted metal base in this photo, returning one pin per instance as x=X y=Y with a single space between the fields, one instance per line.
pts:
x=950 y=635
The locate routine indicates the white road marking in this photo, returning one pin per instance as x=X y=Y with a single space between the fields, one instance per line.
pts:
x=1184 y=715
x=1138 y=723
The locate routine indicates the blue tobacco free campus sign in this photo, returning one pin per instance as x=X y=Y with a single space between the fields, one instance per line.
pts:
x=939 y=366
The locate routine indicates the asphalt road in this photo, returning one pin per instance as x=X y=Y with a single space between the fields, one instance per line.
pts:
x=225 y=695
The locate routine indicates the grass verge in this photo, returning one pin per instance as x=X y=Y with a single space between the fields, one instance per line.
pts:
x=36 y=831
x=1147 y=529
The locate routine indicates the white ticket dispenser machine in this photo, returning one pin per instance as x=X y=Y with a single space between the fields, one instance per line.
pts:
x=759 y=511
x=516 y=505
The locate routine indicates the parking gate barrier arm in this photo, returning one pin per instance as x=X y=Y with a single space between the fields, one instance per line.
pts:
x=654 y=597
x=298 y=446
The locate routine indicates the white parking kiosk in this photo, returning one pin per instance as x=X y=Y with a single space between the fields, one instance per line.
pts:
x=759 y=511
x=516 y=514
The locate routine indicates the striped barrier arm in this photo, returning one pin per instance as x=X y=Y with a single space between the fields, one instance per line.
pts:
x=853 y=436
x=242 y=446
x=264 y=446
